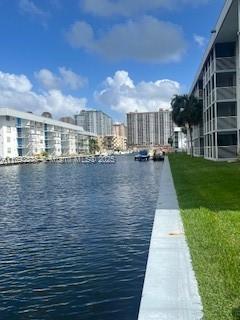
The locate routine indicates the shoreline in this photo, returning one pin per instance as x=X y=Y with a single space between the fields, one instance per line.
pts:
x=170 y=288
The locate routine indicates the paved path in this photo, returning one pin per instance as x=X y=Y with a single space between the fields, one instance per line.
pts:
x=170 y=289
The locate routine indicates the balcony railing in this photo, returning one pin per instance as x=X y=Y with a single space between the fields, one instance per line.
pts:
x=226 y=93
x=225 y=64
x=227 y=152
x=226 y=123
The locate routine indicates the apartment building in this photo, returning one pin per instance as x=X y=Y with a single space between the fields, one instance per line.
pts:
x=179 y=139
x=26 y=134
x=149 y=128
x=94 y=121
x=217 y=83
x=119 y=129
x=115 y=143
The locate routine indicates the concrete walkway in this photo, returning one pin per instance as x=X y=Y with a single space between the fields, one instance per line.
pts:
x=170 y=289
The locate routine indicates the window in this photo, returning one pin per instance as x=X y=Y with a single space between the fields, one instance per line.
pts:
x=9 y=150
x=226 y=49
x=7 y=118
x=8 y=139
x=227 y=79
x=8 y=129
x=226 y=109
x=227 y=138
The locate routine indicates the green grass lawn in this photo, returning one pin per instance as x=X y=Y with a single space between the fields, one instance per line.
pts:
x=209 y=198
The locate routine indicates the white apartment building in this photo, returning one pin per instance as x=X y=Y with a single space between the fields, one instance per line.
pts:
x=217 y=83
x=179 y=139
x=149 y=128
x=26 y=134
x=94 y=121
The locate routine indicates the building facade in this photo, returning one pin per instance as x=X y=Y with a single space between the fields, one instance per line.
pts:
x=149 y=128
x=179 y=139
x=94 y=121
x=115 y=143
x=119 y=129
x=26 y=134
x=217 y=83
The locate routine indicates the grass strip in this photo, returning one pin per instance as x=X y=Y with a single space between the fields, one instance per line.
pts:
x=209 y=199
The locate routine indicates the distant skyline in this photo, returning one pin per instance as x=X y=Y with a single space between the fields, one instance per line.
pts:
x=116 y=56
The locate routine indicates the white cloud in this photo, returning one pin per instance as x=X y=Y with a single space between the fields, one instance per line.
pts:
x=29 y=7
x=16 y=92
x=47 y=79
x=65 y=79
x=71 y=79
x=146 y=39
x=16 y=83
x=200 y=40
x=122 y=95
x=132 y=7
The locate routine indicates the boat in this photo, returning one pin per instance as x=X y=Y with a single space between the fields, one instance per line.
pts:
x=158 y=156
x=143 y=155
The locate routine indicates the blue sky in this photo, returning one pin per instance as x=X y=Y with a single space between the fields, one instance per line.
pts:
x=118 y=56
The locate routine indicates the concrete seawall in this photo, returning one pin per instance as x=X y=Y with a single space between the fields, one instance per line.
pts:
x=170 y=290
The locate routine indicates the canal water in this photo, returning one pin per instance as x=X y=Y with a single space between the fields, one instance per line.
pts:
x=74 y=239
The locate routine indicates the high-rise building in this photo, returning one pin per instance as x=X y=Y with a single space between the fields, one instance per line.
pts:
x=119 y=129
x=217 y=84
x=95 y=121
x=149 y=128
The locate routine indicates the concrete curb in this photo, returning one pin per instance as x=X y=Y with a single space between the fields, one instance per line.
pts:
x=170 y=290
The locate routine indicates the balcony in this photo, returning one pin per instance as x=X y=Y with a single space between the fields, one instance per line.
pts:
x=227 y=152
x=23 y=126
x=225 y=123
x=226 y=93
x=225 y=64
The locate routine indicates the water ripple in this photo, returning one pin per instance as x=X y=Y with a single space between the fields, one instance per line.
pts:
x=74 y=239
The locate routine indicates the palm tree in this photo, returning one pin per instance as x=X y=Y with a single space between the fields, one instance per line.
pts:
x=187 y=112
x=93 y=146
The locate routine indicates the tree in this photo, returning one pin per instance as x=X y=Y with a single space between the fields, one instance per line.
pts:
x=187 y=112
x=93 y=146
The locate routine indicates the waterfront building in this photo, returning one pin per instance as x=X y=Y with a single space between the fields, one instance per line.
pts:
x=119 y=129
x=94 y=121
x=115 y=143
x=149 y=128
x=217 y=84
x=179 y=139
x=27 y=134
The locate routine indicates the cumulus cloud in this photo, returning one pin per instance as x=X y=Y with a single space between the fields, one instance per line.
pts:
x=122 y=95
x=16 y=92
x=132 y=7
x=145 y=39
x=200 y=40
x=65 y=79
x=12 y=82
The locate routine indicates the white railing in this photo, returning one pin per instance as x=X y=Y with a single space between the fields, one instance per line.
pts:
x=209 y=152
x=197 y=151
x=226 y=93
x=227 y=152
x=213 y=95
x=226 y=123
x=224 y=64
